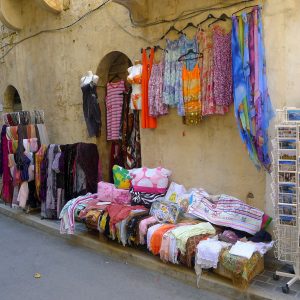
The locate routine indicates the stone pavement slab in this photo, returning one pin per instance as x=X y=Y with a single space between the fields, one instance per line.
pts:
x=263 y=286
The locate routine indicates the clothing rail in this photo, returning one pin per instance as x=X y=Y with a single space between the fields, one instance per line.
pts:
x=24 y=117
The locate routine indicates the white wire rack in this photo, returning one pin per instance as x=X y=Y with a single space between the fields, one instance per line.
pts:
x=285 y=191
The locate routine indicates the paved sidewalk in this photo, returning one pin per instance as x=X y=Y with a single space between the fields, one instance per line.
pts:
x=263 y=287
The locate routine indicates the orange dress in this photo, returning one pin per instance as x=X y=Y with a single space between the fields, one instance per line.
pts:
x=192 y=95
x=147 y=121
x=157 y=237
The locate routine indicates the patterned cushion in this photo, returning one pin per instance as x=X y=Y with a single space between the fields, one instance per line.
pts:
x=165 y=211
x=121 y=177
x=146 y=199
x=147 y=180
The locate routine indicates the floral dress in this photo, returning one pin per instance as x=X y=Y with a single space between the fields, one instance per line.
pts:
x=172 y=91
x=155 y=91
x=209 y=106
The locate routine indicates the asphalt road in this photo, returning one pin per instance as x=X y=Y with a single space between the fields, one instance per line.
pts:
x=71 y=272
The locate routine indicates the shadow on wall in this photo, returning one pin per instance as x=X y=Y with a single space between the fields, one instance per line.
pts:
x=12 y=100
x=112 y=67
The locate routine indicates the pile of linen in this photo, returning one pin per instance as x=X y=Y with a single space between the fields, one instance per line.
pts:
x=180 y=226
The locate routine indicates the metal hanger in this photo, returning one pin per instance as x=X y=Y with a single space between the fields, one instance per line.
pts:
x=190 y=24
x=223 y=18
x=251 y=6
x=190 y=51
x=148 y=48
x=170 y=29
x=158 y=47
x=210 y=16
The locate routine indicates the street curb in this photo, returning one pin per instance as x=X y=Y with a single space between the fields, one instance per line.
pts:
x=209 y=281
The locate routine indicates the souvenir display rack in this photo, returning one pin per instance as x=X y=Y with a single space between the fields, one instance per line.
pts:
x=286 y=191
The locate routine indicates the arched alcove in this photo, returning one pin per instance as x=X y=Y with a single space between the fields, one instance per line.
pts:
x=112 y=67
x=12 y=100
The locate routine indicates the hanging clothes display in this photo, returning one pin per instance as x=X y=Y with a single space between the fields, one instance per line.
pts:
x=67 y=171
x=135 y=79
x=114 y=103
x=147 y=121
x=156 y=106
x=252 y=105
x=172 y=88
x=130 y=152
x=209 y=48
x=91 y=109
x=222 y=67
x=19 y=143
x=191 y=95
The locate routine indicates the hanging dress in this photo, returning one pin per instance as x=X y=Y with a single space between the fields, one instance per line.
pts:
x=222 y=67
x=172 y=92
x=156 y=106
x=186 y=45
x=209 y=106
x=114 y=104
x=192 y=94
x=147 y=121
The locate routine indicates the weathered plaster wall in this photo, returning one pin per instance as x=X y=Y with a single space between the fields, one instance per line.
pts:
x=47 y=69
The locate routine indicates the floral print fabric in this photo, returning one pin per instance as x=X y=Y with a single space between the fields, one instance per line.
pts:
x=206 y=45
x=222 y=71
x=156 y=106
x=172 y=91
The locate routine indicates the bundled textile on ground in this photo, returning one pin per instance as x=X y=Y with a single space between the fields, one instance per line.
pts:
x=180 y=226
x=227 y=211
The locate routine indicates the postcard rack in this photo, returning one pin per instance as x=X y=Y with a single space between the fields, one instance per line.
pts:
x=286 y=191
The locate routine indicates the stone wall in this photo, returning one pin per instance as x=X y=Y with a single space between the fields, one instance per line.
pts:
x=46 y=71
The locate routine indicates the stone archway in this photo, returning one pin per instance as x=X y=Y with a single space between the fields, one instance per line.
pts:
x=11 y=11
x=12 y=100
x=55 y=6
x=112 y=64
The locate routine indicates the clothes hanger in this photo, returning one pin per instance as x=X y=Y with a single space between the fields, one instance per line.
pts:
x=170 y=29
x=251 y=6
x=158 y=47
x=148 y=48
x=190 y=24
x=223 y=18
x=210 y=16
x=190 y=51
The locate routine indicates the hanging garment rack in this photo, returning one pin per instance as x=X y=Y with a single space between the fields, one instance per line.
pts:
x=251 y=6
x=190 y=24
x=172 y=28
x=37 y=114
x=223 y=18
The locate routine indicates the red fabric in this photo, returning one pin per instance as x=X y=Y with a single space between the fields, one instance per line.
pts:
x=147 y=121
x=119 y=212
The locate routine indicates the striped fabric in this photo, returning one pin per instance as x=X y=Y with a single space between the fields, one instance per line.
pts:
x=227 y=211
x=114 y=103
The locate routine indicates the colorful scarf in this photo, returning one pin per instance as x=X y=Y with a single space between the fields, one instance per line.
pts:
x=252 y=105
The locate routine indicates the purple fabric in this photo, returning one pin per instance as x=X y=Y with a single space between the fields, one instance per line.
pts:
x=222 y=67
x=7 y=187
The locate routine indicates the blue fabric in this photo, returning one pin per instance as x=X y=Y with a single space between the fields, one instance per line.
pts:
x=246 y=111
x=240 y=92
